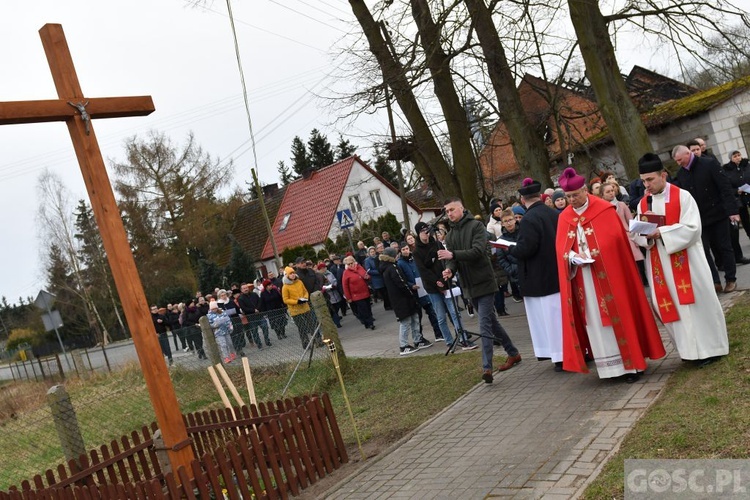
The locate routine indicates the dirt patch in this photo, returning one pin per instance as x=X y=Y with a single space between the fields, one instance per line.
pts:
x=371 y=449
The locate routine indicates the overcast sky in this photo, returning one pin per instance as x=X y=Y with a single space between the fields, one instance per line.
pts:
x=184 y=58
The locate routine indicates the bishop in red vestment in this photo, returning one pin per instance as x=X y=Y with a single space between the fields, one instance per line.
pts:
x=604 y=308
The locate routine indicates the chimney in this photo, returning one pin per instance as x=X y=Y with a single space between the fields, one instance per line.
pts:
x=307 y=173
x=270 y=190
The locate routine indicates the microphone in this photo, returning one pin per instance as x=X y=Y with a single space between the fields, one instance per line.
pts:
x=649 y=202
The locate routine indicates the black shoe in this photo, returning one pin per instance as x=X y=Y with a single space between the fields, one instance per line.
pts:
x=543 y=359
x=503 y=313
x=487 y=376
x=742 y=261
x=702 y=363
x=268 y=343
x=631 y=378
x=558 y=367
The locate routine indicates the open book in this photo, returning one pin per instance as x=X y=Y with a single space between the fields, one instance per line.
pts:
x=642 y=227
x=502 y=243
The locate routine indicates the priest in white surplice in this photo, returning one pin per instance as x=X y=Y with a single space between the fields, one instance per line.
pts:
x=682 y=290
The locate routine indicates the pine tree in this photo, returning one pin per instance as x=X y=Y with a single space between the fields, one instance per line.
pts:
x=240 y=268
x=344 y=149
x=319 y=150
x=210 y=275
x=383 y=166
x=300 y=160
x=96 y=271
x=285 y=175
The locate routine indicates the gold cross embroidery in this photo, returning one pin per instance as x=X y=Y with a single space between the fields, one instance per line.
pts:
x=608 y=297
x=684 y=286
x=601 y=275
x=616 y=320
x=595 y=252
x=665 y=304
x=589 y=231
x=571 y=234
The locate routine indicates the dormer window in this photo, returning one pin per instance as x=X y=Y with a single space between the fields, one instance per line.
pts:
x=285 y=222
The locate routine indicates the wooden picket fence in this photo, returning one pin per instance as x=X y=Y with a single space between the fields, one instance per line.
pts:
x=272 y=450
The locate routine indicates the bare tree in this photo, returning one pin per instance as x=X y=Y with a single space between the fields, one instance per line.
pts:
x=528 y=146
x=685 y=25
x=56 y=224
x=427 y=157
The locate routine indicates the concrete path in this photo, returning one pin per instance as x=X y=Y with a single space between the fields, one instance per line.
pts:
x=533 y=433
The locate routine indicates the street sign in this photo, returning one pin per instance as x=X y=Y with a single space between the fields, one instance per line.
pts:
x=44 y=300
x=345 y=218
x=52 y=321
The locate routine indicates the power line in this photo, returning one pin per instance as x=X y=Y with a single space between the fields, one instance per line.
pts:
x=279 y=35
x=309 y=17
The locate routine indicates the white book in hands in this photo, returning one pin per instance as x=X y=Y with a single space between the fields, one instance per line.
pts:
x=579 y=260
x=642 y=227
x=502 y=243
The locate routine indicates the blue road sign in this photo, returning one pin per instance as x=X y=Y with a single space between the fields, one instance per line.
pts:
x=345 y=218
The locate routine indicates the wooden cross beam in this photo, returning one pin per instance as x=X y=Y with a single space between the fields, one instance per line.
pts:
x=77 y=111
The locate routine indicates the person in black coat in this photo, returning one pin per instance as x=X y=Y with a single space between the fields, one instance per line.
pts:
x=713 y=194
x=161 y=324
x=173 y=322
x=272 y=306
x=192 y=332
x=431 y=271
x=537 y=273
x=249 y=302
x=337 y=269
x=403 y=302
x=507 y=261
x=738 y=172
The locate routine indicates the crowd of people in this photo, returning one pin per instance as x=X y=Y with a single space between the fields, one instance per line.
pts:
x=575 y=261
x=568 y=253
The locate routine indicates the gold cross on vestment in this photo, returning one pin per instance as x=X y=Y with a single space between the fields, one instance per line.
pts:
x=595 y=252
x=571 y=234
x=77 y=112
x=589 y=231
x=684 y=286
x=666 y=304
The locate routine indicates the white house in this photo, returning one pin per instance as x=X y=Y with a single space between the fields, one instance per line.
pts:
x=305 y=211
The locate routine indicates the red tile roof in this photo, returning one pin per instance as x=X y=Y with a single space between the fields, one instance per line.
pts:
x=312 y=203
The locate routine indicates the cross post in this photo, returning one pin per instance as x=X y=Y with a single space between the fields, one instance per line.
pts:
x=77 y=112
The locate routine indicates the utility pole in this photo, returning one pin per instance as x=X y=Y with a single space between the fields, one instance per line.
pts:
x=399 y=173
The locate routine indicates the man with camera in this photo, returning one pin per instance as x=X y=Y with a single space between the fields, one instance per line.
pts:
x=466 y=253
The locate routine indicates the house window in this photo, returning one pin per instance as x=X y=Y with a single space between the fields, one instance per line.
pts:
x=285 y=222
x=745 y=131
x=375 y=197
x=355 y=204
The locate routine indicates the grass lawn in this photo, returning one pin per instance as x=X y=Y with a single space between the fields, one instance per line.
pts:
x=701 y=413
x=389 y=398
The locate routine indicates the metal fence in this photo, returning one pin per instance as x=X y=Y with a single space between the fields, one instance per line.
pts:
x=109 y=397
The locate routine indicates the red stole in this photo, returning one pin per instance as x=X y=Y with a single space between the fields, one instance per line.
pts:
x=678 y=261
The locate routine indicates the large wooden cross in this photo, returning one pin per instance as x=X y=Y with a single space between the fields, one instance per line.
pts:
x=77 y=112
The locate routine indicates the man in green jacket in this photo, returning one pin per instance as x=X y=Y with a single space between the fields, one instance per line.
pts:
x=466 y=254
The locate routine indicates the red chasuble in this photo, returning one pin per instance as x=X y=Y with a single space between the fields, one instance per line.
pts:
x=622 y=300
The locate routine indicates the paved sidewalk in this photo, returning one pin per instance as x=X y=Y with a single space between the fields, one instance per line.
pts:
x=533 y=433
